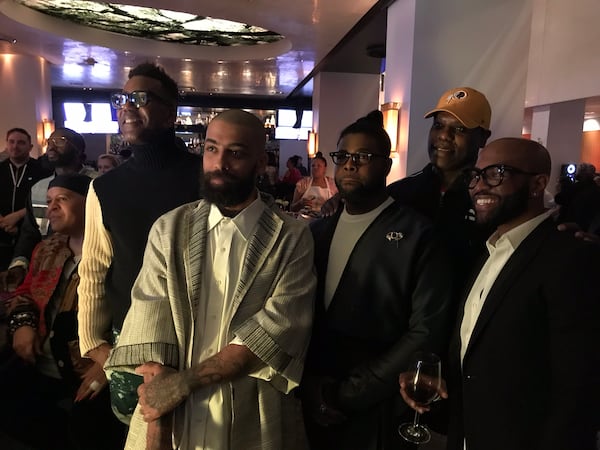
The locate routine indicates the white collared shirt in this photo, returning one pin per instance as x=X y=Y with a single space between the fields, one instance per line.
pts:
x=499 y=252
x=208 y=411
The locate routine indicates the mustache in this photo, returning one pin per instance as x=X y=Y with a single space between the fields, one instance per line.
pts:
x=220 y=174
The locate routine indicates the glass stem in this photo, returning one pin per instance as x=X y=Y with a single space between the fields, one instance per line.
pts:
x=416 y=419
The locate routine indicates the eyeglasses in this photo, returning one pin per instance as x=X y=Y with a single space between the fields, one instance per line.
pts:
x=118 y=100
x=359 y=158
x=58 y=142
x=492 y=175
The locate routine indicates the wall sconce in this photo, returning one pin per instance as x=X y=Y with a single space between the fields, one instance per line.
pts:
x=311 y=145
x=391 y=122
x=45 y=129
x=48 y=128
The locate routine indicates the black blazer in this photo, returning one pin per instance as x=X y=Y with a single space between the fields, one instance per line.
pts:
x=530 y=378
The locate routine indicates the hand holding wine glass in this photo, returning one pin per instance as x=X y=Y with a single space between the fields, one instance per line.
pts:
x=419 y=387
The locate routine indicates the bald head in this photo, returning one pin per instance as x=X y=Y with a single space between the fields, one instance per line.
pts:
x=244 y=119
x=524 y=154
x=509 y=190
x=234 y=155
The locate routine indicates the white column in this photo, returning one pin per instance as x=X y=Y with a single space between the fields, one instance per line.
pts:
x=25 y=94
x=562 y=136
x=338 y=100
x=433 y=45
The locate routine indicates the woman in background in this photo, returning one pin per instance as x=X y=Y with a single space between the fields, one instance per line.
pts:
x=107 y=162
x=292 y=175
x=311 y=192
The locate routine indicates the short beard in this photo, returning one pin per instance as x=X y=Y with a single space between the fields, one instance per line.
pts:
x=234 y=192
x=512 y=206
x=360 y=194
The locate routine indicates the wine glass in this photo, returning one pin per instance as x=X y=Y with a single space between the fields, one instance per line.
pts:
x=422 y=386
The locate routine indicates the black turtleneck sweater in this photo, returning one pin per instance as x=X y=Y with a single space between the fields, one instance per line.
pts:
x=158 y=178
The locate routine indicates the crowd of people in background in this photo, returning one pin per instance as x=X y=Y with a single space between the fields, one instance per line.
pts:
x=167 y=301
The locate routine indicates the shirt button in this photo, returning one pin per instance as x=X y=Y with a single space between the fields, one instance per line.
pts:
x=60 y=363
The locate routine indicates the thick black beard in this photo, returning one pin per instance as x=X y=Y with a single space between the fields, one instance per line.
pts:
x=234 y=192
x=66 y=159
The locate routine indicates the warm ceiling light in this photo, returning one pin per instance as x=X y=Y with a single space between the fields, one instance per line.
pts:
x=591 y=125
x=8 y=39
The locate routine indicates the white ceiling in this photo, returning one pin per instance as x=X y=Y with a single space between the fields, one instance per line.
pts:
x=83 y=57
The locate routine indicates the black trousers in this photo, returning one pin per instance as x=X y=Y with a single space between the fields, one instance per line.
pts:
x=39 y=411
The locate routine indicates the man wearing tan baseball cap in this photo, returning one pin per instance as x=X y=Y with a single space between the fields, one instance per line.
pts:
x=461 y=126
x=467 y=105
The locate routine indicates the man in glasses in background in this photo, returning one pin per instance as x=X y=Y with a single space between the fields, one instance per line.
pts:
x=121 y=207
x=383 y=292
x=524 y=364
x=17 y=174
x=66 y=153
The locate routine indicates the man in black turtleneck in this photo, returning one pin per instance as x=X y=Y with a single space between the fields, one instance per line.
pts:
x=123 y=204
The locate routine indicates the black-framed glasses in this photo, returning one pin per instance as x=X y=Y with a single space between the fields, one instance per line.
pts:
x=492 y=175
x=360 y=158
x=58 y=141
x=118 y=100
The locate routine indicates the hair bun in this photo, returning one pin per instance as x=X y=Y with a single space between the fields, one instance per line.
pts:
x=374 y=118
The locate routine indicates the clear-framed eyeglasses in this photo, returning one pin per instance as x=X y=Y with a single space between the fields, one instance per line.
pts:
x=58 y=141
x=360 y=158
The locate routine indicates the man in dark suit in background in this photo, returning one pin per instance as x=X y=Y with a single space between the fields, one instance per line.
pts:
x=524 y=365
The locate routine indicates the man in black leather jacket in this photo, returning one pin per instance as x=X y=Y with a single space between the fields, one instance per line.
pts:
x=460 y=127
x=383 y=293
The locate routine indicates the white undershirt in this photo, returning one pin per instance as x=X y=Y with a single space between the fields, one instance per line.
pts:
x=349 y=229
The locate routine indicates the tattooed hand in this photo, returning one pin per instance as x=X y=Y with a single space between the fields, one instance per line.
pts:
x=163 y=389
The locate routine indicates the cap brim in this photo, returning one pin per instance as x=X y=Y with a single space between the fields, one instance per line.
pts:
x=466 y=124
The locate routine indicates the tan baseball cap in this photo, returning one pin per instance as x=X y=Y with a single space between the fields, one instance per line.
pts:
x=466 y=104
